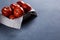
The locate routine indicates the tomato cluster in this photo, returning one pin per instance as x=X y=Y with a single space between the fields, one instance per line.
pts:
x=16 y=10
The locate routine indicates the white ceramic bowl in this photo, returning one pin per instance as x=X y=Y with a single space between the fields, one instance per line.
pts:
x=14 y=23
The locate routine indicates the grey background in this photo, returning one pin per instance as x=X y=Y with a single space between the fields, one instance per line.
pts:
x=44 y=27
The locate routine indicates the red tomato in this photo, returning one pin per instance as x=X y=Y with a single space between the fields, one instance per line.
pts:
x=6 y=11
x=26 y=7
x=14 y=5
x=18 y=11
x=20 y=3
x=11 y=17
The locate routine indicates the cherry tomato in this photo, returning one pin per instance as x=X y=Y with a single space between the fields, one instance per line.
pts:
x=18 y=11
x=6 y=11
x=14 y=5
x=20 y=3
x=11 y=17
x=26 y=7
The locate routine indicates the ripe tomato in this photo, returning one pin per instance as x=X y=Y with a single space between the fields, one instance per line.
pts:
x=18 y=11
x=6 y=11
x=26 y=7
x=20 y=3
x=11 y=17
x=14 y=5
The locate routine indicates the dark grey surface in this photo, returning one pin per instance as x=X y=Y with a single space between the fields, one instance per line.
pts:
x=45 y=27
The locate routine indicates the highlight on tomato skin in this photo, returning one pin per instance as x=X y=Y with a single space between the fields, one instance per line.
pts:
x=6 y=11
x=18 y=11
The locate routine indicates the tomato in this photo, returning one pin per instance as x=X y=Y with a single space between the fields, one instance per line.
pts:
x=26 y=7
x=6 y=11
x=14 y=5
x=18 y=11
x=11 y=17
x=20 y=3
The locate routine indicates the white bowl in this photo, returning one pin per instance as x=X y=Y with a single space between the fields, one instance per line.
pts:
x=13 y=23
